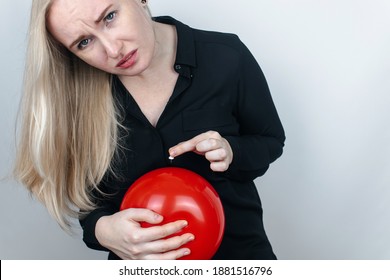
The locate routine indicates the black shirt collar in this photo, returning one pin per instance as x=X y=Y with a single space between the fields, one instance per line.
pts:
x=185 y=54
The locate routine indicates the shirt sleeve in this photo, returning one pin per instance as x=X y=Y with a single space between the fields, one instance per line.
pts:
x=262 y=136
x=88 y=222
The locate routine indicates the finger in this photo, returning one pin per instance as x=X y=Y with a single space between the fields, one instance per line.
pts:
x=183 y=147
x=147 y=241
x=159 y=232
x=219 y=166
x=216 y=155
x=143 y=215
x=169 y=244
x=207 y=145
x=171 y=255
x=190 y=145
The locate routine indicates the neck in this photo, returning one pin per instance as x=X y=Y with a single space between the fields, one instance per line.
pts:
x=165 y=51
x=166 y=41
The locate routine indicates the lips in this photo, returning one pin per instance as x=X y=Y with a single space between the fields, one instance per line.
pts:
x=128 y=60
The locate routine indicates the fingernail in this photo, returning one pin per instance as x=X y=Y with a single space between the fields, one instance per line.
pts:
x=191 y=238
x=186 y=252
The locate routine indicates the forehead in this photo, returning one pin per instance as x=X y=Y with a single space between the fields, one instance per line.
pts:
x=69 y=18
x=68 y=10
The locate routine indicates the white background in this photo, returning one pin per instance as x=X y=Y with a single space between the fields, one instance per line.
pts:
x=327 y=63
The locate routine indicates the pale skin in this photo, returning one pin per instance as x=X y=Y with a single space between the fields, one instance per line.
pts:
x=119 y=37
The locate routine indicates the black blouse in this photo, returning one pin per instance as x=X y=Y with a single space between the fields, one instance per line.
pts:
x=222 y=88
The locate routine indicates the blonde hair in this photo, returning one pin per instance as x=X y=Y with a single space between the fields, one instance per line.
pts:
x=68 y=127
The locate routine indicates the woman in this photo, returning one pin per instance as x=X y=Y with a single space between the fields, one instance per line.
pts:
x=111 y=93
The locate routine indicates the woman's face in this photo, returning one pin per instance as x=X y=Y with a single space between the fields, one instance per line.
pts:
x=115 y=36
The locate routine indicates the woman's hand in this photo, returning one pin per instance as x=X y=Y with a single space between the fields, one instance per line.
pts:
x=210 y=144
x=122 y=234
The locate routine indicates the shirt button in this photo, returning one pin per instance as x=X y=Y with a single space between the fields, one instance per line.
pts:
x=177 y=67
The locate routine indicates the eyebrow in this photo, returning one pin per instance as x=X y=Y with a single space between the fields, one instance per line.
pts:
x=76 y=41
x=102 y=15
x=99 y=19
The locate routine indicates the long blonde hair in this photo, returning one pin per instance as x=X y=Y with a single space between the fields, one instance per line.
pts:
x=68 y=132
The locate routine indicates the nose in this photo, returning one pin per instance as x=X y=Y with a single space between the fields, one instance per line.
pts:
x=112 y=47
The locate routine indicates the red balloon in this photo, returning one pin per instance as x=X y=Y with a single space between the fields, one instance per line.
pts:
x=180 y=194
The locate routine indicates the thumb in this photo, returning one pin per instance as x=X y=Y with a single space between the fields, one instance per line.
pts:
x=143 y=215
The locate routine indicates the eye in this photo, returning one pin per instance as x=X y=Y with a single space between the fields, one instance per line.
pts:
x=110 y=17
x=83 y=44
